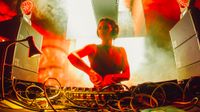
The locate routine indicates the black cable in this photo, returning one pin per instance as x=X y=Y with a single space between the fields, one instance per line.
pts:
x=163 y=90
x=45 y=93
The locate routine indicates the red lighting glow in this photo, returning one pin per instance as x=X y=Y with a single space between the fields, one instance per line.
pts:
x=27 y=7
x=183 y=3
x=197 y=4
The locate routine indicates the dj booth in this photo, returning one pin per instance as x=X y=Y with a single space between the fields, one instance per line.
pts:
x=20 y=90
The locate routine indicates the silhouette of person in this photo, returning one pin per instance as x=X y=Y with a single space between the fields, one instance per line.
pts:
x=108 y=63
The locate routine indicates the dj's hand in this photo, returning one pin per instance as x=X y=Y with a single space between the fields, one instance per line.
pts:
x=95 y=78
x=108 y=79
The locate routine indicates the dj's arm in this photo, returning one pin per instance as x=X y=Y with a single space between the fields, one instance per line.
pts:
x=76 y=60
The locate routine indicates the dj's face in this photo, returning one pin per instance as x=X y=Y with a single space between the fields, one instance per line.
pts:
x=104 y=30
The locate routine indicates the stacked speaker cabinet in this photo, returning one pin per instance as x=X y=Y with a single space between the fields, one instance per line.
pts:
x=185 y=36
x=17 y=61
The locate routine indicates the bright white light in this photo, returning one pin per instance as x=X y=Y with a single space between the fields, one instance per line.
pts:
x=135 y=48
x=122 y=6
x=81 y=19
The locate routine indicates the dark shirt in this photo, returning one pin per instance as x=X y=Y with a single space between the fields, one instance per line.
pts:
x=106 y=61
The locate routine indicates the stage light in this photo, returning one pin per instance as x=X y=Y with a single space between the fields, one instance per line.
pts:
x=27 y=6
x=32 y=51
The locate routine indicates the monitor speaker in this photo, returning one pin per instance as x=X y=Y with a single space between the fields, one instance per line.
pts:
x=185 y=36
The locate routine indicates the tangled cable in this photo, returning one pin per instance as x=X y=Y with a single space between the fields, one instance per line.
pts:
x=115 y=97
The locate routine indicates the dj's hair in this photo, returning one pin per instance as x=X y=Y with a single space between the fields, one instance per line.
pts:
x=115 y=27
